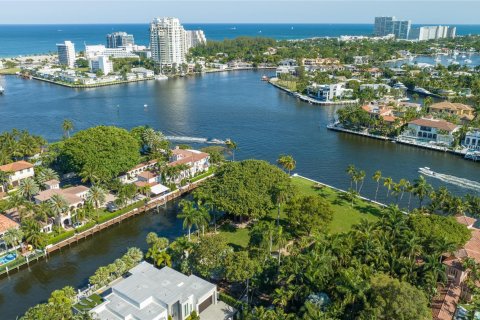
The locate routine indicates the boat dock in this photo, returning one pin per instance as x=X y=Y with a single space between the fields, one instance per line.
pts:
x=334 y=127
x=310 y=100
x=153 y=204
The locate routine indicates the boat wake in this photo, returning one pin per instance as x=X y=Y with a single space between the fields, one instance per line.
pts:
x=194 y=139
x=461 y=182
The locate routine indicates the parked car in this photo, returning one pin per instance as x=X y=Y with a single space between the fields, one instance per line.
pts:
x=78 y=224
x=111 y=207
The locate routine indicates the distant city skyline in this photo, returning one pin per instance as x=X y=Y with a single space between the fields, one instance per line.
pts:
x=235 y=11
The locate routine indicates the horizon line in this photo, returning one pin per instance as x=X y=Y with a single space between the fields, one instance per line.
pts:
x=231 y=23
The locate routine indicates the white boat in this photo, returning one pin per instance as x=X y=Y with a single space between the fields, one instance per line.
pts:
x=463 y=56
x=438 y=60
x=461 y=182
x=2 y=90
x=145 y=105
x=468 y=61
x=161 y=77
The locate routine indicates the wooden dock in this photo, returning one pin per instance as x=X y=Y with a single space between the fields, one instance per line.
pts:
x=152 y=204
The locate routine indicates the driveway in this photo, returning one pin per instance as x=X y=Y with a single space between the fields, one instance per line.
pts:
x=219 y=311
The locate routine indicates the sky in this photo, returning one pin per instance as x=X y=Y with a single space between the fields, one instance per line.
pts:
x=238 y=11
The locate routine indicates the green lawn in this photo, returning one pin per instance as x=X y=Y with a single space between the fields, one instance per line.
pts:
x=9 y=70
x=344 y=215
x=85 y=305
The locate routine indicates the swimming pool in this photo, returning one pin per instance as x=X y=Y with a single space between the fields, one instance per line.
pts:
x=7 y=258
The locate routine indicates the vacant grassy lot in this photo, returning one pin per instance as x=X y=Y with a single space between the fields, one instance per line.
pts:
x=344 y=215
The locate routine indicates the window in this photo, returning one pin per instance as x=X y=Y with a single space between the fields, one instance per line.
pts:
x=467 y=141
x=474 y=141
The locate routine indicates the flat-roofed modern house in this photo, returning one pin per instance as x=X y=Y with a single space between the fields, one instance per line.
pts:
x=18 y=170
x=149 y=293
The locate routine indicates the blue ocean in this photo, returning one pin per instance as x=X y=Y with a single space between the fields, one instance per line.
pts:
x=34 y=39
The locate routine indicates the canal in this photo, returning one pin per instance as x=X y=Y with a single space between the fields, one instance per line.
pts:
x=264 y=122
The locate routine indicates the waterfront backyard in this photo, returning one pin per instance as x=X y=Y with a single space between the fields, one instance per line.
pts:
x=344 y=214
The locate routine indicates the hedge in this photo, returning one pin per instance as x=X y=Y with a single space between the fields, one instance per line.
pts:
x=61 y=237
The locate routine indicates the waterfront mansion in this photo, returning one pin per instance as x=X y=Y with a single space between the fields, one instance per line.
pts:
x=148 y=293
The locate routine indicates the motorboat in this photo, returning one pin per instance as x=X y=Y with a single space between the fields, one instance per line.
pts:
x=468 y=61
x=161 y=77
x=2 y=90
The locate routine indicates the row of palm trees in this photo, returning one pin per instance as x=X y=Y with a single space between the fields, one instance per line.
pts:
x=441 y=200
x=16 y=145
x=194 y=215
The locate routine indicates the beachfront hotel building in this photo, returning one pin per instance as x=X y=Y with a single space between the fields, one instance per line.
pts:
x=119 y=39
x=390 y=25
x=66 y=54
x=433 y=33
x=170 y=42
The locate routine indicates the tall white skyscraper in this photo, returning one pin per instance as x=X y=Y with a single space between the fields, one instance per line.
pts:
x=66 y=54
x=170 y=42
x=195 y=37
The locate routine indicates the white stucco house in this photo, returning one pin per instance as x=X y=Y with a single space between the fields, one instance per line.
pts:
x=196 y=161
x=75 y=198
x=472 y=140
x=431 y=130
x=19 y=171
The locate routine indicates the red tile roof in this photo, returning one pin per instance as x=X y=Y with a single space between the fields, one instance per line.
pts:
x=7 y=223
x=434 y=123
x=187 y=156
x=445 y=304
x=16 y=166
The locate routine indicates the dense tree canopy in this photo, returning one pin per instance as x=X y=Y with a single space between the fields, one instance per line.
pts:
x=393 y=299
x=244 y=189
x=100 y=153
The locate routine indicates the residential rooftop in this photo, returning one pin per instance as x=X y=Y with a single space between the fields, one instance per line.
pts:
x=16 y=166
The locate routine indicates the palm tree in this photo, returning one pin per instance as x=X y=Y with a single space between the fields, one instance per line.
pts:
x=33 y=233
x=96 y=197
x=421 y=189
x=231 y=146
x=188 y=214
x=67 y=126
x=360 y=177
x=89 y=173
x=282 y=242
x=388 y=183
x=28 y=188
x=287 y=162
x=46 y=174
x=159 y=256
x=351 y=172
x=376 y=177
x=203 y=216
x=59 y=206
x=5 y=179
x=13 y=237
x=281 y=197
